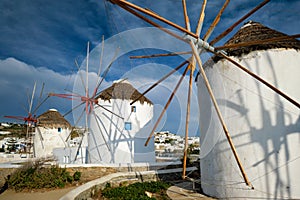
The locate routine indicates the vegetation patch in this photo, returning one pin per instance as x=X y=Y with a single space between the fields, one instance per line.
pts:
x=34 y=175
x=137 y=191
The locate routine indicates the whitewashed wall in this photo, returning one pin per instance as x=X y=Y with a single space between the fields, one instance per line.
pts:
x=49 y=139
x=265 y=128
x=123 y=146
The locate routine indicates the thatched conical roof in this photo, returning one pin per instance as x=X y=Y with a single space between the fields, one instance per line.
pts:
x=122 y=90
x=52 y=119
x=254 y=31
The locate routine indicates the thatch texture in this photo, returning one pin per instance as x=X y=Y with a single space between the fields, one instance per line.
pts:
x=122 y=90
x=254 y=31
x=52 y=119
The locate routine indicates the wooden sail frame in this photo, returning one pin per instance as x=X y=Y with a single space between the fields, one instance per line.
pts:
x=194 y=39
x=88 y=101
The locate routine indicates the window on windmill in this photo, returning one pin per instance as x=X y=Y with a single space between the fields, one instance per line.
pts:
x=59 y=129
x=133 y=108
x=128 y=126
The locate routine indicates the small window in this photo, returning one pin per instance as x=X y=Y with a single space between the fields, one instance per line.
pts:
x=133 y=109
x=59 y=130
x=128 y=126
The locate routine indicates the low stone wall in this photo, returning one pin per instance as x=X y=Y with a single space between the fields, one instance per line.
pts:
x=94 y=171
x=92 y=188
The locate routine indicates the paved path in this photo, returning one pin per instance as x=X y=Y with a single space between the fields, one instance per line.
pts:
x=184 y=191
x=49 y=195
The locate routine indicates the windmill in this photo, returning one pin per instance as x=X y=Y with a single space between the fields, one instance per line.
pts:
x=31 y=120
x=199 y=45
x=87 y=102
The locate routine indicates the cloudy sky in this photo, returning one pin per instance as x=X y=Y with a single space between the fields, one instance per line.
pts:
x=40 y=40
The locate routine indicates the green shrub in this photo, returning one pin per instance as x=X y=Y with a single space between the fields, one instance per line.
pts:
x=77 y=176
x=136 y=191
x=35 y=176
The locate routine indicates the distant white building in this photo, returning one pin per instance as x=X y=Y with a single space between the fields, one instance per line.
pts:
x=120 y=139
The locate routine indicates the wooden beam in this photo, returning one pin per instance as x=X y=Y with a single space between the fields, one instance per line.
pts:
x=215 y=22
x=186 y=18
x=154 y=15
x=187 y=119
x=161 y=55
x=227 y=31
x=167 y=105
x=195 y=52
x=201 y=18
x=149 y=21
x=159 y=81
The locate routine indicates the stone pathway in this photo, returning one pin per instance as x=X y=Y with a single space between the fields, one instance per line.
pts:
x=183 y=191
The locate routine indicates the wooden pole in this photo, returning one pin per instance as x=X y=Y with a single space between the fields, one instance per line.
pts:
x=154 y=15
x=161 y=55
x=215 y=22
x=186 y=18
x=188 y=108
x=167 y=105
x=201 y=18
x=149 y=21
x=227 y=31
x=294 y=102
x=257 y=42
x=159 y=81
x=219 y=114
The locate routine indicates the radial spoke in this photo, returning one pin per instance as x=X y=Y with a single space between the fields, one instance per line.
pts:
x=76 y=123
x=161 y=55
x=80 y=75
x=201 y=18
x=186 y=17
x=32 y=96
x=99 y=127
x=39 y=105
x=41 y=94
x=110 y=111
x=159 y=81
x=294 y=102
x=105 y=73
x=71 y=110
x=227 y=31
x=216 y=21
x=123 y=3
x=150 y=21
x=187 y=120
x=194 y=49
x=167 y=105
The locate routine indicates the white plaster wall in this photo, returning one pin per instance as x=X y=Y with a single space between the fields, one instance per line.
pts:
x=109 y=142
x=51 y=138
x=264 y=127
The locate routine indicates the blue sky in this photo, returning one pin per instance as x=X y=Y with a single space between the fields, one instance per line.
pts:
x=39 y=41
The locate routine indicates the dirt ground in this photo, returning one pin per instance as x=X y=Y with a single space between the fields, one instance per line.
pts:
x=51 y=195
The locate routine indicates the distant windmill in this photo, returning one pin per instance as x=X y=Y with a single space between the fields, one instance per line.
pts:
x=31 y=120
x=87 y=101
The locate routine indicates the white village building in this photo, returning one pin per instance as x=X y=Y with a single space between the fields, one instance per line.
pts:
x=121 y=139
x=264 y=127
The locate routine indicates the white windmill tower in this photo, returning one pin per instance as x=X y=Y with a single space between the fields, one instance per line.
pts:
x=285 y=188
x=265 y=127
x=52 y=130
x=121 y=139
